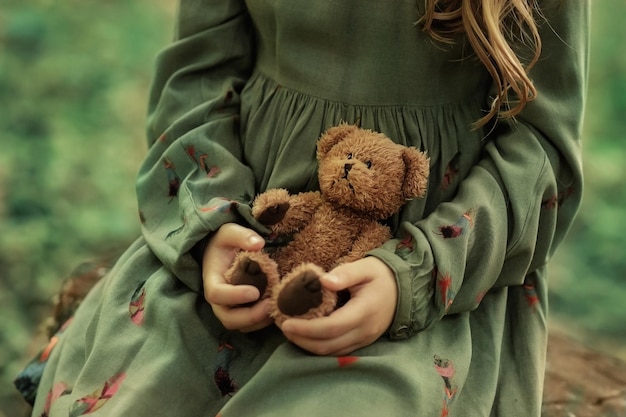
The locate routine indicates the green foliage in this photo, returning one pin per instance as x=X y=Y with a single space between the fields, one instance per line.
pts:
x=73 y=87
x=73 y=91
x=589 y=275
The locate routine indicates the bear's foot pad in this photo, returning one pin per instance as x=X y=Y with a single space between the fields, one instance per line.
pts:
x=249 y=272
x=301 y=294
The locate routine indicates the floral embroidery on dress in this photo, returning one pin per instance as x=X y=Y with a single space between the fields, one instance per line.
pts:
x=530 y=294
x=466 y=221
x=557 y=200
x=136 y=305
x=58 y=390
x=452 y=170
x=172 y=178
x=445 y=369
x=98 y=398
x=345 y=361
x=213 y=171
x=444 y=283
x=201 y=158
x=221 y=371
x=221 y=205
x=405 y=244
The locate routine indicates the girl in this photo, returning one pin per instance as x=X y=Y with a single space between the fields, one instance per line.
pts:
x=447 y=318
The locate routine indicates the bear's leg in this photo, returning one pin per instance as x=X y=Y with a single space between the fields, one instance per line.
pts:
x=256 y=269
x=301 y=294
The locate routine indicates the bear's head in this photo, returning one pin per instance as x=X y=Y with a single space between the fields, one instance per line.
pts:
x=369 y=173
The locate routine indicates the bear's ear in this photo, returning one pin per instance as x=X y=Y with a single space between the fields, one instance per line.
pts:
x=416 y=166
x=333 y=136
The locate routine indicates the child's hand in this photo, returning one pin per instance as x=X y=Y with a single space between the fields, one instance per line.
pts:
x=224 y=297
x=361 y=321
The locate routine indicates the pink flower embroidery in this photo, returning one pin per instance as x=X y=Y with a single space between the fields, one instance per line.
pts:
x=59 y=389
x=98 y=398
x=136 y=306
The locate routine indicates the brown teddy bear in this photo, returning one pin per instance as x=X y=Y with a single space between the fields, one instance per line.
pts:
x=364 y=178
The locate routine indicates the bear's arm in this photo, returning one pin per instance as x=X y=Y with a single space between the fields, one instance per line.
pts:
x=284 y=213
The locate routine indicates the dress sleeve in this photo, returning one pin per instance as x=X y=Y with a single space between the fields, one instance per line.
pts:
x=193 y=179
x=516 y=204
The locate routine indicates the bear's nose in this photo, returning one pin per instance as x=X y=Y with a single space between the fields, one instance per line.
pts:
x=347 y=168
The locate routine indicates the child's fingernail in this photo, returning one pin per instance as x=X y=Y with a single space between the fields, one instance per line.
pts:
x=334 y=279
x=252 y=294
x=254 y=240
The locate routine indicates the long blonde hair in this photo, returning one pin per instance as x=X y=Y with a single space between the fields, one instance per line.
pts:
x=492 y=27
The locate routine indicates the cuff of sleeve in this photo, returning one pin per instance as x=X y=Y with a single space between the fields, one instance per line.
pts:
x=416 y=309
x=183 y=251
x=236 y=212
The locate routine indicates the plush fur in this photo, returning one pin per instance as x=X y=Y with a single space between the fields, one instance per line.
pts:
x=364 y=178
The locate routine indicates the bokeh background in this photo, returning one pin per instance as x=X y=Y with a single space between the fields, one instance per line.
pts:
x=74 y=77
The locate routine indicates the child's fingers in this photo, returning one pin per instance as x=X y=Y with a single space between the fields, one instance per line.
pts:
x=334 y=335
x=218 y=257
x=237 y=236
x=225 y=243
x=339 y=323
x=342 y=345
x=224 y=294
x=363 y=319
x=245 y=319
x=354 y=273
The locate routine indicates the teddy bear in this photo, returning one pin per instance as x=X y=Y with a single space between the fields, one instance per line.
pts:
x=364 y=178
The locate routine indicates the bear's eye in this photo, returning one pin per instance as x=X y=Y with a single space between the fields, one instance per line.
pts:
x=350 y=155
x=368 y=164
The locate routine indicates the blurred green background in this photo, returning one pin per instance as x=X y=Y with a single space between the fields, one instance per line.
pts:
x=74 y=77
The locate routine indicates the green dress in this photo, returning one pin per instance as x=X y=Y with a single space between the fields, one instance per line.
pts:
x=238 y=102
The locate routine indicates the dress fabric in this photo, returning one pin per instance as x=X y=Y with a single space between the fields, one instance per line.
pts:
x=238 y=102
